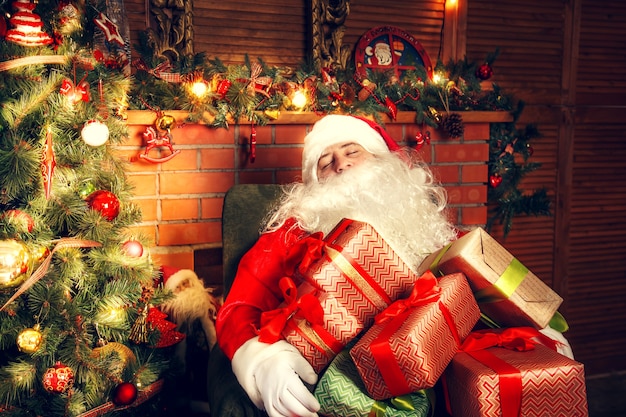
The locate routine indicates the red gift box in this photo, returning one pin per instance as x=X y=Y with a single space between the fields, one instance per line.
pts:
x=509 y=381
x=356 y=266
x=353 y=274
x=415 y=338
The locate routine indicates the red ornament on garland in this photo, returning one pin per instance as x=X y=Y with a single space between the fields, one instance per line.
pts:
x=391 y=107
x=124 y=394
x=421 y=139
x=104 y=202
x=58 y=379
x=484 y=72
x=495 y=180
x=222 y=88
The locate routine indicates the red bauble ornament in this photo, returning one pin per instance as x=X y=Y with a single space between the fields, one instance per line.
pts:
x=124 y=394
x=495 y=180
x=24 y=220
x=133 y=248
x=104 y=202
x=58 y=379
x=484 y=72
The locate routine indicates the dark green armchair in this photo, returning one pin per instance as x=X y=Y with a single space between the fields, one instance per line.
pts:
x=244 y=209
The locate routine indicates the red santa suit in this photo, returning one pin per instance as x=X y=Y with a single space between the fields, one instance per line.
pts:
x=255 y=288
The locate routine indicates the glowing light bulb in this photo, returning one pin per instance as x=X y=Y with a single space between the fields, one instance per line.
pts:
x=199 y=89
x=299 y=99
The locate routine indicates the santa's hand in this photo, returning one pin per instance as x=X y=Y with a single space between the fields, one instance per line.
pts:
x=272 y=375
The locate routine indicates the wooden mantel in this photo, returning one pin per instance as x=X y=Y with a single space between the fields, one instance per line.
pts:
x=146 y=117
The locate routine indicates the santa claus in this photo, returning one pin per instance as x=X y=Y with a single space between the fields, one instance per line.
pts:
x=351 y=168
x=191 y=302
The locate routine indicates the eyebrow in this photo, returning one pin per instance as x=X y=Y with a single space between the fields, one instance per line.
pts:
x=345 y=145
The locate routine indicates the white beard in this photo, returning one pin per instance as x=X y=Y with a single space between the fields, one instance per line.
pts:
x=403 y=205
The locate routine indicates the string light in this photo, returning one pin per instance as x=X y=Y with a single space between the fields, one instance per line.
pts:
x=112 y=316
x=198 y=87
x=299 y=99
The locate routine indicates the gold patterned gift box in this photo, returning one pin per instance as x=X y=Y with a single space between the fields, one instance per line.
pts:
x=510 y=377
x=415 y=338
x=353 y=274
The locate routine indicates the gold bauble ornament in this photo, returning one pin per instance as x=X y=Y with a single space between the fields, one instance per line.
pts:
x=123 y=352
x=29 y=340
x=14 y=258
x=165 y=122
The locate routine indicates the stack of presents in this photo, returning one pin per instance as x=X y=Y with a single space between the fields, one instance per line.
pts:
x=460 y=335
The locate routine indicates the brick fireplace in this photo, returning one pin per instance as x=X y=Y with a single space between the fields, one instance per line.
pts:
x=181 y=199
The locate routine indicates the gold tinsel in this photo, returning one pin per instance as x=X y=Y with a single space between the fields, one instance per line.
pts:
x=139 y=331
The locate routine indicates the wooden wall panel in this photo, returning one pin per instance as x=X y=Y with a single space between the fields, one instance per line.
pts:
x=597 y=254
x=529 y=36
x=597 y=220
x=274 y=30
x=602 y=64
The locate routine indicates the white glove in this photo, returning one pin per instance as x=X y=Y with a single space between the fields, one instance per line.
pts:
x=272 y=375
x=562 y=345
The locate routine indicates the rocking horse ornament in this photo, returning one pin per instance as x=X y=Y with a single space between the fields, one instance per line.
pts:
x=159 y=137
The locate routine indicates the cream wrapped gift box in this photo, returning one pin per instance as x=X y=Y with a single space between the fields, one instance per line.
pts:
x=506 y=291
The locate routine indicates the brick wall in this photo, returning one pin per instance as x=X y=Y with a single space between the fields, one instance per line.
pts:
x=181 y=199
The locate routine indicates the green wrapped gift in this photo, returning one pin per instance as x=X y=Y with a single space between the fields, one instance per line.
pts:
x=341 y=393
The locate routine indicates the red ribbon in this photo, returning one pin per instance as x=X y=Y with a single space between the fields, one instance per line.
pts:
x=304 y=253
x=316 y=247
x=515 y=338
x=307 y=306
x=425 y=290
x=510 y=378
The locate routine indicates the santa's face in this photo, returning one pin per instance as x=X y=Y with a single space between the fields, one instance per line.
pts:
x=340 y=157
x=398 y=200
x=383 y=54
x=182 y=285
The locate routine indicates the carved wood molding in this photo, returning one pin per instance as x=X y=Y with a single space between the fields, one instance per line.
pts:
x=327 y=30
x=172 y=38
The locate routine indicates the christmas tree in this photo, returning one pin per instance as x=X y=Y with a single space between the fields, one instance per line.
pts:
x=80 y=326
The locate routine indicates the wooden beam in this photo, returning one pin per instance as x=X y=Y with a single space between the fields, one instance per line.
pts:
x=565 y=156
x=454 y=30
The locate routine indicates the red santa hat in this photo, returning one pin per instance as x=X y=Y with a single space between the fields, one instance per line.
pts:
x=337 y=128
x=172 y=277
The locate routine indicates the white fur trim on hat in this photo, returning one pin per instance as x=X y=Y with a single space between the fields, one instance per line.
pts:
x=332 y=130
x=172 y=281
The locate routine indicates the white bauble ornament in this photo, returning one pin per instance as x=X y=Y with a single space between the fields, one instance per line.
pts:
x=95 y=133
